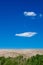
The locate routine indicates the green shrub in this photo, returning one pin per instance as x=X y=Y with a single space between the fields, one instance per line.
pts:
x=20 y=60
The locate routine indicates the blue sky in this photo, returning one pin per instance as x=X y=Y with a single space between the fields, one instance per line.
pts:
x=21 y=24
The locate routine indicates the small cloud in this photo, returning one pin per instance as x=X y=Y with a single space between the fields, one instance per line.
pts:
x=26 y=34
x=40 y=15
x=33 y=15
x=30 y=13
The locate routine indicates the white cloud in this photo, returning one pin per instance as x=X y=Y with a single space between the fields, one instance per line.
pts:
x=30 y=13
x=40 y=15
x=26 y=34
